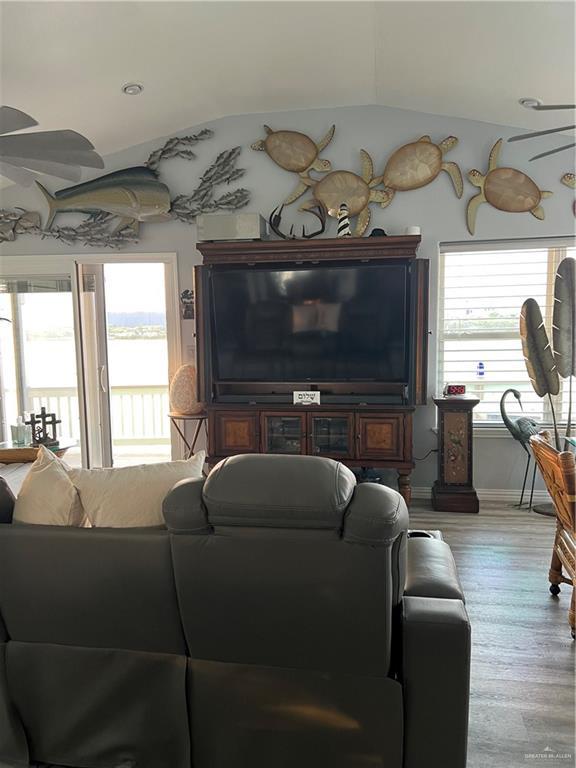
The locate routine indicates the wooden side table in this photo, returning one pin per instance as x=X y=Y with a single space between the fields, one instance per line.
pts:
x=201 y=418
x=453 y=491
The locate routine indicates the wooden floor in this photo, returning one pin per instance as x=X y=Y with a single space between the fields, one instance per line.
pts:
x=522 y=687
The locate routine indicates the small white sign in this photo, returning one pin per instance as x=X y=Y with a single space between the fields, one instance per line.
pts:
x=306 y=398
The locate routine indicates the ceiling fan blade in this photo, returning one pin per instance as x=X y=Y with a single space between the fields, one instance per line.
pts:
x=547 y=107
x=52 y=168
x=534 y=134
x=17 y=175
x=14 y=120
x=49 y=140
x=85 y=158
x=553 y=151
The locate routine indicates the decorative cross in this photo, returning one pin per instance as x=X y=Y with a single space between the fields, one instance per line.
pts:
x=40 y=426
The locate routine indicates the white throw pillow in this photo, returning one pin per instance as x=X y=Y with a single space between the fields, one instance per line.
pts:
x=131 y=497
x=47 y=495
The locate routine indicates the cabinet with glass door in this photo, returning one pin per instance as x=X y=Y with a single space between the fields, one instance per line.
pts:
x=284 y=433
x=331 y=434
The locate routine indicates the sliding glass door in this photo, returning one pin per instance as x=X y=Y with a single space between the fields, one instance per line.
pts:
x=95 y=344
x=123 y=315
x=38 y=366
x=94 y=364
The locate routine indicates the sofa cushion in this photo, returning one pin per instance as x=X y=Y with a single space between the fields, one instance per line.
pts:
x=128 y=497
x=48 y=496
x=278 y=492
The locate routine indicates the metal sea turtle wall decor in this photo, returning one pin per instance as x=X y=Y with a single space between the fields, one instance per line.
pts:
x=357 y=192
x=411 y=166
x=506 y=189
x=295 y=152
x=417 y=164
x=569 y=179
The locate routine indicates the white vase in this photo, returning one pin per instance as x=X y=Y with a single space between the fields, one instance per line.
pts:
x=183 y=392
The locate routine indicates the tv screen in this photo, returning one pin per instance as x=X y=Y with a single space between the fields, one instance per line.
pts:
x=333 y=323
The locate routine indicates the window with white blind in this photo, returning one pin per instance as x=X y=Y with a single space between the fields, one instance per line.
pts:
x=481 y=293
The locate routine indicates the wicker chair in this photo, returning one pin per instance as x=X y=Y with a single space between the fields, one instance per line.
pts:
x=559 y=472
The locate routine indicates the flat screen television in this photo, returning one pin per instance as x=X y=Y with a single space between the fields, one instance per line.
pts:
x=342 y=327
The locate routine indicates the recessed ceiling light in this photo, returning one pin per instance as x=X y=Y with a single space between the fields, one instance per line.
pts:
x=530 y=102
x=132 y=89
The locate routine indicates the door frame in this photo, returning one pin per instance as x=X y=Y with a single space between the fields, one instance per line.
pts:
x=66 y=264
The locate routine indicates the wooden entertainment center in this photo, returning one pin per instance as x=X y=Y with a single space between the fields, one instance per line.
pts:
x=356 y=430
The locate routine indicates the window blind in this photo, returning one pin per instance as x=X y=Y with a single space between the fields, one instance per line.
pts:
x=481 y=293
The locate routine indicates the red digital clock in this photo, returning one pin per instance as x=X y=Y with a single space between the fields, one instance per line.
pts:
x=454 y=390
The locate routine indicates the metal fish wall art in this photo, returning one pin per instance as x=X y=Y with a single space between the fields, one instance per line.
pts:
x=117 y=203
x=133 y=195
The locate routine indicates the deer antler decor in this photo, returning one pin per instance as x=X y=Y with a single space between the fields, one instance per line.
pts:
x=275 y=220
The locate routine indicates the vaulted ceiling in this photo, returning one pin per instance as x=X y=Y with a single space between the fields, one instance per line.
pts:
x=65 y=62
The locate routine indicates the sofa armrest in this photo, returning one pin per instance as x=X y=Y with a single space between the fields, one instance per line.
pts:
x=7 y=501
x=431 y=570
x=436 y=681
x=183 y=508
x=377 y=515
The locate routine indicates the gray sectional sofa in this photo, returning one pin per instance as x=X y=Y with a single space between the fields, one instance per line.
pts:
x=283 y=618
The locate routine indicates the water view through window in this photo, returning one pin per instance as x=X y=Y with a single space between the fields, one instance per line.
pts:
x=137 y=362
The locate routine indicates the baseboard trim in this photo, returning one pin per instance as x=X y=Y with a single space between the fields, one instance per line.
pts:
x=490 y=494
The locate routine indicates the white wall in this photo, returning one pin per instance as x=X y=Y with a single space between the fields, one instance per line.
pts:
x=499 y=462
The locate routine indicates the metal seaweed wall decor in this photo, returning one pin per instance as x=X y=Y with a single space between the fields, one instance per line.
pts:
x=95 y=231
x=178 y=146
x=222 y=171
x=117 y=202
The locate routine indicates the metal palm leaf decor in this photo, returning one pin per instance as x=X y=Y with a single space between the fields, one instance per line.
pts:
x=564 y=327
x=23 y=156
x=538 y=356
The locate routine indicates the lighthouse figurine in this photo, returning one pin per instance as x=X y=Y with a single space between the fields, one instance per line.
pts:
x=344 y=221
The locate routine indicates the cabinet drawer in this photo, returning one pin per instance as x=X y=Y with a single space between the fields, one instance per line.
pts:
x=234 y=433
x=382 y=437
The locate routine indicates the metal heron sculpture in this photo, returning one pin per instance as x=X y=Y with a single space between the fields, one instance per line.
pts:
x=521 y=429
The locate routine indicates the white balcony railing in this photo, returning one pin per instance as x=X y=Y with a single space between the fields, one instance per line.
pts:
x=139 y=414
